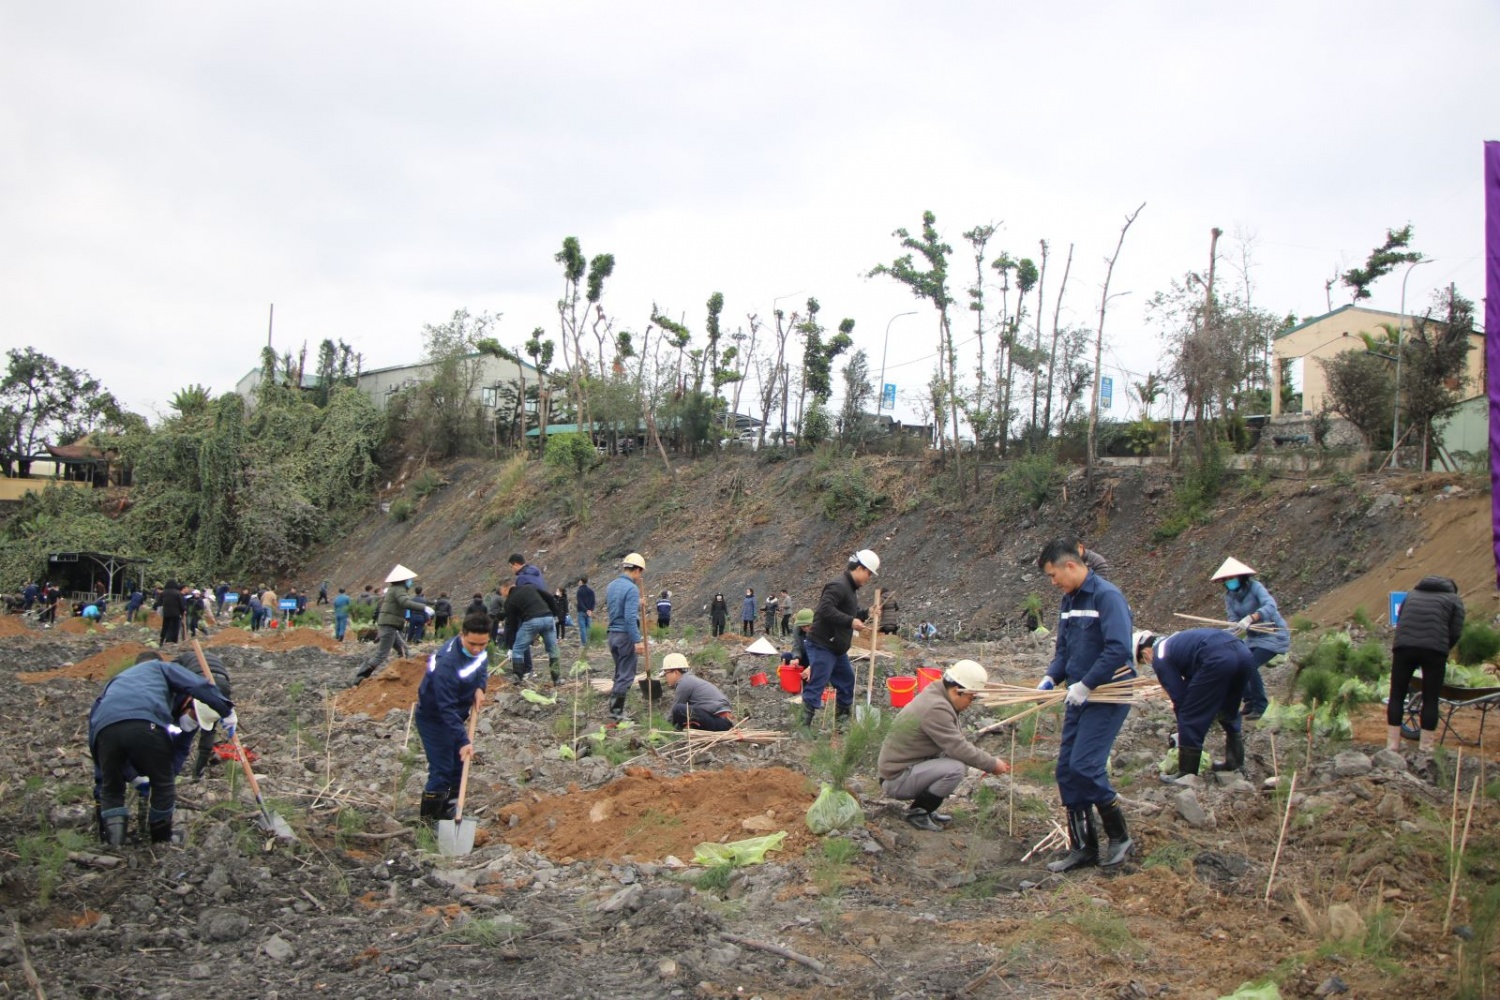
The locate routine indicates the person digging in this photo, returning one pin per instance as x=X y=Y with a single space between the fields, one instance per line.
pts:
x=391 y=619
x=453 y=686
x=925 y=755
x=699 y=704
x=1205 y=671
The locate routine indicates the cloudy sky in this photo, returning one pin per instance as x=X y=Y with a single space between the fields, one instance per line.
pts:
x=168 y=170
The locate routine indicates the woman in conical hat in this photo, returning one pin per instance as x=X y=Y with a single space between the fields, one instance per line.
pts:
x=1247 y=603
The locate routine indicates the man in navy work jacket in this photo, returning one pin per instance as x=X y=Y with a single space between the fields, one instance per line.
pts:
x=1093 y=648
x=145 y=719
x=1205 y=672
x=622 y=598
x=457 y=675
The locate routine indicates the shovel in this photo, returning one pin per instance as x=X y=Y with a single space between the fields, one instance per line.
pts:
x=269 y=822
x=456 y=836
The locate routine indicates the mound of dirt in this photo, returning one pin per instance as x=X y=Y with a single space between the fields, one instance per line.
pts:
x=279 y=640
x=92 y=668
x=76 y=626
x=644 y=816
x=11 y=625
x=395 y=686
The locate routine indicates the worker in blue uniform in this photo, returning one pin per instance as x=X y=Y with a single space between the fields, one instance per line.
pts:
x=1093 y=648
x=1205 y=671
x=454 y=685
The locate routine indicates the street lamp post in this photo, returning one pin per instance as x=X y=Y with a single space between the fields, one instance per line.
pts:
x=1401 y=332
x=884 y=350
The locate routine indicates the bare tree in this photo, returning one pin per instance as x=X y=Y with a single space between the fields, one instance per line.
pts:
x=1056 y=329
x=1099 y=348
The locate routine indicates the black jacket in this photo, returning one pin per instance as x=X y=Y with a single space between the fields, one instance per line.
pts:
x=524 y=604
x=1432 y=616
x=833 y=619
x=171 y=603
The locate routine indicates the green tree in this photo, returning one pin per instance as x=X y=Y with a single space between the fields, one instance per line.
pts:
x=1361 y=389
x=445 y=414
x=41 y=399
x=1382 y=260
x=854 y=422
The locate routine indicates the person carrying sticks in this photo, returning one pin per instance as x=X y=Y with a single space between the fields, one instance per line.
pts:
x=925 y=755
x=1205 y=672
x=1248 y=603
x=698 y=703
x=1093 y=648
x=453 y=686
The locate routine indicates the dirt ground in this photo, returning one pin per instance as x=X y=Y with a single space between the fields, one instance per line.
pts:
x=581 y=882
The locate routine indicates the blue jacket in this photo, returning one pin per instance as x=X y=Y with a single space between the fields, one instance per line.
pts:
x=136 y=600
x=341 y=605
x=583 y=598
x=1176 y=658
x=446 y=694
x=747 y=610
x=152 y=692
x=623 y=599
x=1093 y=636
x=530 y=576
x=1252 y=598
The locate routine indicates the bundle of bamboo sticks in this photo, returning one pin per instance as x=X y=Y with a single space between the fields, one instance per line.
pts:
x=690 y=743
x=1128 y=691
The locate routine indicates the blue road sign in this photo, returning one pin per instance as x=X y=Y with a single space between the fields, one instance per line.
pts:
x=1106 y=392
x=888 y=394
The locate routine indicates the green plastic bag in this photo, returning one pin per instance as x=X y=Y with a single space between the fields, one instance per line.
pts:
x=833 y=809
x=536 y=698
x=740 y=852
x=1251 y=991
x=1168 y=763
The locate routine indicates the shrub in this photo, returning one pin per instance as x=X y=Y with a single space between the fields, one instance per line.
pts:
x=570 y=451
x=1478 y=644
x=426 y=483
x=1317 y=685
x=1028 y=482
x=1368 y=662
x=847 y=494
x=402 y=510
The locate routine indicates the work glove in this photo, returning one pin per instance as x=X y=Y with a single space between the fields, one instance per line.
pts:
x=1047 y=684
x=231 y=723
x=1078 y=693
x=1243 y=625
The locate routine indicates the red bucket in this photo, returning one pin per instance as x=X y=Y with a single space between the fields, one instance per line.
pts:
x=759 y=679
x=926 y=675
x=791 y=677
x=828 y=694
x=902 y=690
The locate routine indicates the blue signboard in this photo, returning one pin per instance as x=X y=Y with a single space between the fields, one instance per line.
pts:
x=287 y=604
x=1106 y=392
x=1398 y=598
x=888 y=394
x=231 y=598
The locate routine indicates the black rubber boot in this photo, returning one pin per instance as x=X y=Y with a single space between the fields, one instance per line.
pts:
x=617 y=709
x=1083 y=842
x=114 y=831
x=1234 y=752
x=433 y=804
x=205 y=748
x=161 y=831
x=1189 y=759
x=841 y=717
x=808 y=715
x=1118 y=848
x=923 y=812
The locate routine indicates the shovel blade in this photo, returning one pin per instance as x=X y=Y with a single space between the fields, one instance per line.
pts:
x=866 y=712
x=455 y=838
x=273 y=824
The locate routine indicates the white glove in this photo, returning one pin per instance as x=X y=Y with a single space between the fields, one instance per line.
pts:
x=1243 y=625
x=431 y=614
x=1047 y=684
x=1078 y=693
x=231 y=723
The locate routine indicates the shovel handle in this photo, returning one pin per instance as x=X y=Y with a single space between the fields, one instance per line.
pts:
x=463 y=781
x=239 y=750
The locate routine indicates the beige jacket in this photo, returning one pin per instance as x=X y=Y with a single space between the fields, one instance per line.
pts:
x=928 y=728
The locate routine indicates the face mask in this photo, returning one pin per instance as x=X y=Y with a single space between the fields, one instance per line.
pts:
x=1231 y=584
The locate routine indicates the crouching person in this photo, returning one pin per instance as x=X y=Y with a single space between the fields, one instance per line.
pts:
x=454 y=685
x=926 y=755
x=699 y=704
x=1205 y=671
x=142 y=725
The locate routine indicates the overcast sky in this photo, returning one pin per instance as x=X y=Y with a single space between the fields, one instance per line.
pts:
x=169 y=170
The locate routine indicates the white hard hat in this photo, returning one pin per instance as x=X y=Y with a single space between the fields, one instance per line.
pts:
x=967 y=674
x=1142 y=638
x=634 y=561
x=868 y=559
x=206 y=715
x=400 y=574
x=675 y=661
x=1232 y=567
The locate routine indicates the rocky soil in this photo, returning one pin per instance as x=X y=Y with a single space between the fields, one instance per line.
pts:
x=581 y=883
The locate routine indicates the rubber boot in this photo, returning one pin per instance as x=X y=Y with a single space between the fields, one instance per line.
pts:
x=205 y=748
x=808 y=715
x=1429 y=740
x=433 y=804
x=617 y=709
x=1234 y=752
x=554 y=664
x=114 y=831
x=1083 y=841
x=1188 y=761
x=1393 y=738
x=920 y=813
x=841 y=717
x=161 y=831
x=930 y=804
x=1113 y=820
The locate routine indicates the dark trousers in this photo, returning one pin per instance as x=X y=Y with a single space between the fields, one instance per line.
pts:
x=747 y=626
x=786 y=624
x=1213 y=691
x=144 y=746
x=1405 y=661
x=828 y=667
x=1088 y=736
x=622 y=648
x=1255 y=685
x=169 y=629
x=699 y=719
x=390 y=636
x=718 y=627
x=444 y=768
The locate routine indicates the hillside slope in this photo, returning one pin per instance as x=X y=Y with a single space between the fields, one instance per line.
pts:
x=737 y=521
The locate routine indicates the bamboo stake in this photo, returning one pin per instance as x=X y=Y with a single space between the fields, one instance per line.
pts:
x=1458 y=862
x=1307 y=761
x=1453 y=819
x=1275 y=767
x=1010 y=824
x=1281 y=840
x=1257 y=627
x=874 y=645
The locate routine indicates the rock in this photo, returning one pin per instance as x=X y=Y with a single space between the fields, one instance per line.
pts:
x=1345 y=923
x=452 y=878
x=1331 y=986
x=1351 y=764
x=1190 y=809
x=1385 y=501
x=1391 y=806
x=1389 y=760
x=219 y=924
x=278 y=950
x=627 y=899
x=1464 y=931
x=666 y=968
x=1212 y=867
x=200 y=970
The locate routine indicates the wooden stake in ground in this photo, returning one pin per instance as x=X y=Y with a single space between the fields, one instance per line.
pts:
x=1011 y=818
x=874 y=627
x=1281 y=840
x=1275 y=768
x=1458 y=768
x=1458 y=862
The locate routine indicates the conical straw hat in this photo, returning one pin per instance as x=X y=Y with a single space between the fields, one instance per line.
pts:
x=1232 y=567
x=400 y=574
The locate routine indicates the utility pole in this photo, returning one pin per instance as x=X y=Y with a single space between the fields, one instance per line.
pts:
x=270 y=324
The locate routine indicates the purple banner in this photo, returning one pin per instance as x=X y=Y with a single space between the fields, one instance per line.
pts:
x=1492 y=330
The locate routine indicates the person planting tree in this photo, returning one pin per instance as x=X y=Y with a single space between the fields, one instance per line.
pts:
x=453 y=686
x=1205 y=672
x=698 y=703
